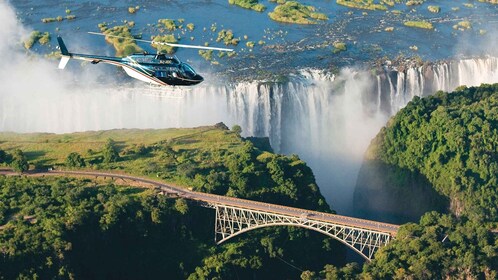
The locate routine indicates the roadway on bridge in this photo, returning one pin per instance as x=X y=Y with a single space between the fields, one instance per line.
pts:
x=230 y=201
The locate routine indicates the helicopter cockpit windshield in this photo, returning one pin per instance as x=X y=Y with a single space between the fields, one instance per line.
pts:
x=188 y=70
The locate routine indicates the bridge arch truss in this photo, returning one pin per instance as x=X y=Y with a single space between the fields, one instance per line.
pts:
x=232 y=221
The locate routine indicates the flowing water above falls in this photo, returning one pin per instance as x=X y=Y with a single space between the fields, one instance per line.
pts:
x=328 y=120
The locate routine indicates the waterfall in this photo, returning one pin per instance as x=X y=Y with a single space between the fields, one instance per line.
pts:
x=327 y=119
x=401 y=86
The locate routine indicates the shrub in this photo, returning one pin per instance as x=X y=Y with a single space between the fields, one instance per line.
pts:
x=419 y=24
x=75 y=160
x=19 y=161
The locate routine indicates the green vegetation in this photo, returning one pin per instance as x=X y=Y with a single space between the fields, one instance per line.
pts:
x=434 y=9
x=451 y=139
x=339 y=47
x=190 y=26
x=227 y=37
x=37 y=36
x=169 y=24
x=133 y=10
x=19 y=161
x=85 y=229
x=414 y=2
x=206 y=159
x=47 y=20
x=248 y=4
x=207 y=54
x=380 y=5
x=419 y=24
x=362 y=4
x=124 y=46
x=165 y=39
x=294 y=12
x=75 y=160
x=59 y=18
x=463 y=25
x=439 y=247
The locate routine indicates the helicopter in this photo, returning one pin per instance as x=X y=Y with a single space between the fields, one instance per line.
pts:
x=155 y=69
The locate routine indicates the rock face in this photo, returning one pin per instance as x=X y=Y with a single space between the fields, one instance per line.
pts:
x=444 y=143
x=389 y=193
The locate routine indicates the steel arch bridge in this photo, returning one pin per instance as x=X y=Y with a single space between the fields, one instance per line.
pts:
x=235 y=216
x=232 y=221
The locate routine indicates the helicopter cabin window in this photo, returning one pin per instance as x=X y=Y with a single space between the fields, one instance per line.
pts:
x=166 y=72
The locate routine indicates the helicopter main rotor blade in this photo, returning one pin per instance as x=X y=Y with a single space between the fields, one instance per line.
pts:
x=102 y=34
x=166 y=44
x=192 y=46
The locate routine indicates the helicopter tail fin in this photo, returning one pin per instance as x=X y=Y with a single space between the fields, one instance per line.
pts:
x=62 y=46
x=66 y=55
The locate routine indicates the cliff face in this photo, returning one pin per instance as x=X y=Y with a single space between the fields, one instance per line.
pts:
x=389 y=193
x=440 y=146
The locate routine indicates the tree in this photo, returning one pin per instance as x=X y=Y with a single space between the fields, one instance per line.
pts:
x=237 y=129
x=308 y=275
x=75 y=160
x=3 y=156
x=19 y=161
x=181 y=205
x=110 y=153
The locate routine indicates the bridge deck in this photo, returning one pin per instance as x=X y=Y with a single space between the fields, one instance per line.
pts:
x=236 y=202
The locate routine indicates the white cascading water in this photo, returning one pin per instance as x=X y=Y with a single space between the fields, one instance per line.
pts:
x=401 y=87
x=328 y=120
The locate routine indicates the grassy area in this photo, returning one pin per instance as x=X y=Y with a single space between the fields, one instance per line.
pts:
x=248 y=4
x=140 y=152
x=133 y=10
x=59 y=227
x=419 y=24
x=362 y=4
x=380 y=5
x=124 y=46
x=463 y=25
x=414 y=2
x=294 y=12
x=339 y=47
x=434 y=9
x=37 y=36
x=58 y=18
x=165 y=39
x=169 y=24
x=210 y=159
x=207 y=54
x=227 y=37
